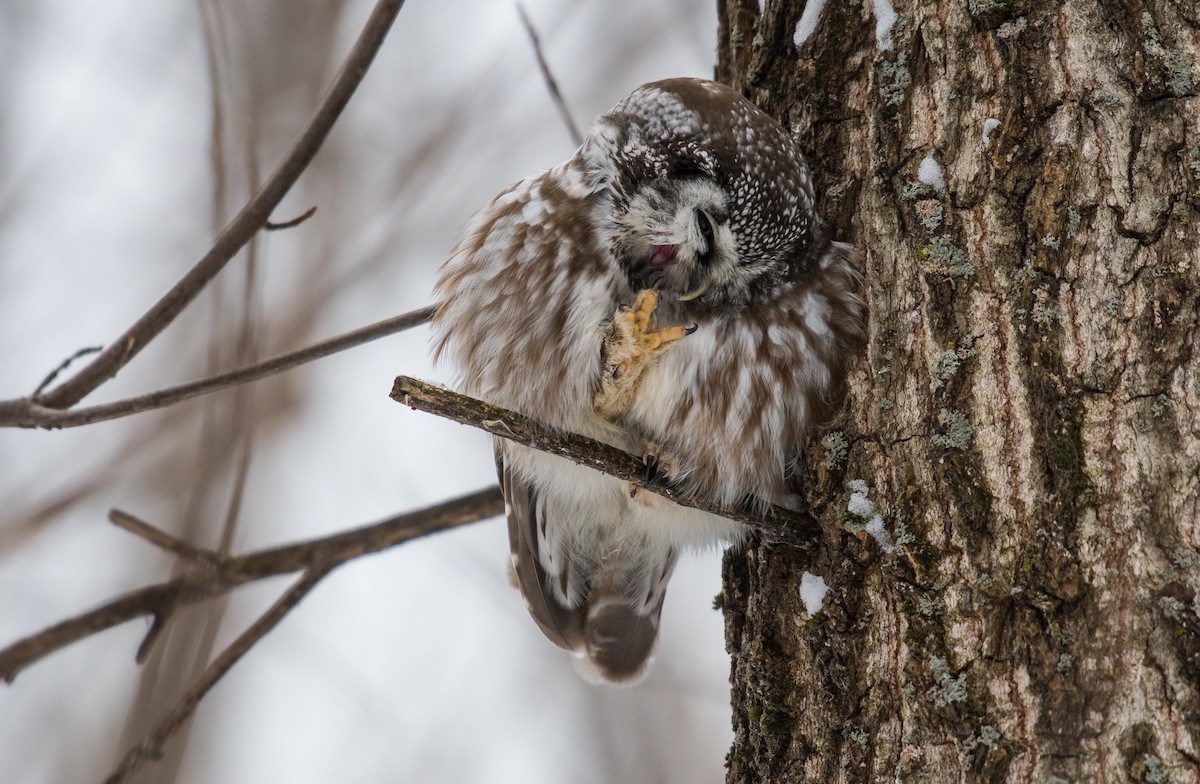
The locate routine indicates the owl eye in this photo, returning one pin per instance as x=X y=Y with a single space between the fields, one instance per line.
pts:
x=706 y=230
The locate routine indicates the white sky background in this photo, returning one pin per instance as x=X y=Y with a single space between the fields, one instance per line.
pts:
x=419 y=664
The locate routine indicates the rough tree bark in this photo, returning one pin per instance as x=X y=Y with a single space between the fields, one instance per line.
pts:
x=1026 y=418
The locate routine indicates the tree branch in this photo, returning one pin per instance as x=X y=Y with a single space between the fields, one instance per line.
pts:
x=225 y=575
x=245 y=224
x=293 y=223
x=151 y=746
x=26 y=412
x=53 y=374
x=775 y=522
x=162 y=540
x=548 y=76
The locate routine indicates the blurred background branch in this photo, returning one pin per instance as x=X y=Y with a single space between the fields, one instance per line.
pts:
x=243 y=227
x=551 y=83
x=26 y=412
x=210 y=575
x=151 y=746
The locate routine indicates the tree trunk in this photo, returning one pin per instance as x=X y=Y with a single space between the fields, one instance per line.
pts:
x=1026 y=418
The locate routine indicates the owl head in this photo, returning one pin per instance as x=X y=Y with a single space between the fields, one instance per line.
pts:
x=708 y=199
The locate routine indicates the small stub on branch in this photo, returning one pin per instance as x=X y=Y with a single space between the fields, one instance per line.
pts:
x=294 y=222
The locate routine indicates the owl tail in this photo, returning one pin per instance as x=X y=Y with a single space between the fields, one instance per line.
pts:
x=618 y=641
x=604 y=609
x=607 y=614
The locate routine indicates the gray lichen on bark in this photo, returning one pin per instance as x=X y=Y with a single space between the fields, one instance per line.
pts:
x=1037 y=620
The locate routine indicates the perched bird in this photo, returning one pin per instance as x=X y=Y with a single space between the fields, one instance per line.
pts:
x=669 y=290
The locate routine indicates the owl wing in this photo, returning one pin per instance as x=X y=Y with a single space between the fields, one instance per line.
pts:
x=561 y=623
x=590 y=611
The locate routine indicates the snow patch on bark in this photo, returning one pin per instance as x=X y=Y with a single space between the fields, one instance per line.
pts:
x=861 y=506
x=808 y=21
x=812 y=592
x=885 y=19
x=930 y=173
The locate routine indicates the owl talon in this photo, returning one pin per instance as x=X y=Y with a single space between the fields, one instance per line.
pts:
x=654 y=473
x=641 y=314
x=661 y=470
x=643 y=310
x=661 y=466
x=629 y=348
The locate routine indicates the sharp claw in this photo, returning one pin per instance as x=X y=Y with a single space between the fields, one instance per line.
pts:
x=654 y=472
x=690 y=329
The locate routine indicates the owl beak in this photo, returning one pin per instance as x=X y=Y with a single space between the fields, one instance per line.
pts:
x=695 y=293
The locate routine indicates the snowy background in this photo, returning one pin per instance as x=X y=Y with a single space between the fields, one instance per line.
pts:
x=130 y=131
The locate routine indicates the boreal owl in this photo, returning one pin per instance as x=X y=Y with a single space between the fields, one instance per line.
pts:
x=669 y=290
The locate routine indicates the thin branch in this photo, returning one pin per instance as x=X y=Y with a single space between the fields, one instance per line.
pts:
x=151 y=746
x=53 y=374
x=161 y=599
x=775 y=522
x=25 y=412
x=158 y=625
x=162 y=539
x=293 y=223
x=244 y=225
x=551 y=82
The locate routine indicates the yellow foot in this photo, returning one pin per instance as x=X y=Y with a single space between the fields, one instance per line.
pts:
x=629 y=347
x=638 y=318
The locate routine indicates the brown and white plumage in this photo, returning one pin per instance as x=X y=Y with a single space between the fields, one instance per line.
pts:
x=687 y=190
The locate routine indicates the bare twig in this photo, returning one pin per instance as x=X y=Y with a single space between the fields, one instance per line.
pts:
x=244 y=225
x=158 y=625
x=53 y=374
x=24 y=412
x=551 y=82
x=215 y=38
x=294 y=222
x=162 y=539
x=151 y=746
x=161 y=599
x=776 y=522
